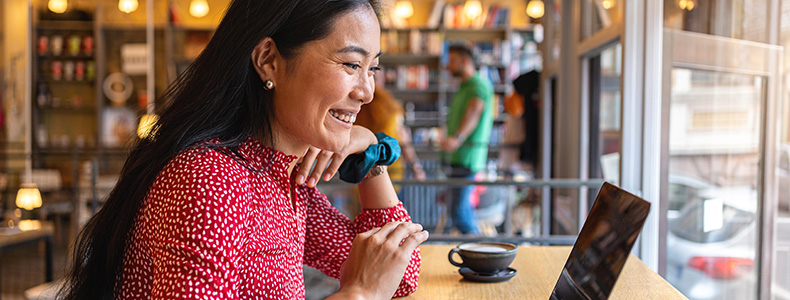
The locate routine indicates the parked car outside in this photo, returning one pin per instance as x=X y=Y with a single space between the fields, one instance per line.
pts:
x=712 y=246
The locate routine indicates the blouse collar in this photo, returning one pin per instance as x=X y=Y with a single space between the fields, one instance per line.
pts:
x=262 y=156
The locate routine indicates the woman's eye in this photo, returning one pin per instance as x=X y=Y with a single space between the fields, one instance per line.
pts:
x=352 y=65
x=373 y=70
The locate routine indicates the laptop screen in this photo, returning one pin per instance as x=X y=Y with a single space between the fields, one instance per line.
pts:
x=603 y=245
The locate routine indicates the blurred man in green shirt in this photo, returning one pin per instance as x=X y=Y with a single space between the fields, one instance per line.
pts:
x=469 y=124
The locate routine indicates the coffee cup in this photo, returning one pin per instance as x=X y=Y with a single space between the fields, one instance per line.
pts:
x=484 y=257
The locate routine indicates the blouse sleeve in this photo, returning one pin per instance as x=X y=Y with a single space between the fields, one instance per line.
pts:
x=330 y=233
x=199 y=203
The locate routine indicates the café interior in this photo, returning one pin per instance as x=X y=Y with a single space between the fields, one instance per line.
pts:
x=682 y=103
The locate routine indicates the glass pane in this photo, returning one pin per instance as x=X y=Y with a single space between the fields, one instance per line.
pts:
x=781 y=262
x=740 y=19
x=605 y=106
x=714 y=154
x=599 y=14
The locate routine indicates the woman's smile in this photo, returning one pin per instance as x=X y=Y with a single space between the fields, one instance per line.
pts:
x=345 y=117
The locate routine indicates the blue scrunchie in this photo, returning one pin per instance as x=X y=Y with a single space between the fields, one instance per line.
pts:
x=356 y=166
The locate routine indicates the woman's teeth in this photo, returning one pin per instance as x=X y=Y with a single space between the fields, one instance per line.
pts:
x=343 y=117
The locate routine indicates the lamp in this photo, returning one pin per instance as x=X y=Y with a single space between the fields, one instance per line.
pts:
x=58 y=6
x=147 y=123
x=128 y=6
x=28 y=197
x=687 y=4
x=535 y=9
x=607 y=4
x=198 y=8
x=472 y=9
x=404 y=9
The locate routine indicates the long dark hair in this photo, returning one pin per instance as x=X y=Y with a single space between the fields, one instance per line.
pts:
x=219 y=96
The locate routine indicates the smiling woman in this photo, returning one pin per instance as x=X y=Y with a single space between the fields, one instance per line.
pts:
x=213 y=203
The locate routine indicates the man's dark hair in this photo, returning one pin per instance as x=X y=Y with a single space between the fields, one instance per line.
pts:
x=463 y=50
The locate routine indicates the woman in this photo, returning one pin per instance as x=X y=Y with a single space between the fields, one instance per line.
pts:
x=213 y=206
x=385 y=114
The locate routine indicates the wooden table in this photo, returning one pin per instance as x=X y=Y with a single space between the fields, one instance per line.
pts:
x=13 y=237
x=538 y=269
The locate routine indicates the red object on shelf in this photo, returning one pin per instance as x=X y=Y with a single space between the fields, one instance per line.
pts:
x=43 y=44
x=87 y=45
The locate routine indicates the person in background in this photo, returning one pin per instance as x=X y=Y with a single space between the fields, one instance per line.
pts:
x=468 y=132
x=385 y=114
x=212 y=204
x=522 y=125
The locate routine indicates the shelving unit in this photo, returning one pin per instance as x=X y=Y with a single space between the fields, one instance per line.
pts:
x=65 y=106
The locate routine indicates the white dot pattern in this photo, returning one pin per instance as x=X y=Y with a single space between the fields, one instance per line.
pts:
x=210 y=228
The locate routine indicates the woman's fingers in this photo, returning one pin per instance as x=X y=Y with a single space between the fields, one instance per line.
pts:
x=322 y=160
x=415 y=239
x=337 y=160
x=307 y=162
x=405 y=234
x=403 y=230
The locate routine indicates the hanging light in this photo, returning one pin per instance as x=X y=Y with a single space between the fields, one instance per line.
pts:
x=473 y=9
x=147 y=123
x=128 y=6
x=28 y=196
x=535 y=9
x=607 y=4
x=687 y=4
x=198 y=8
x=58 y=6
x=404 y=9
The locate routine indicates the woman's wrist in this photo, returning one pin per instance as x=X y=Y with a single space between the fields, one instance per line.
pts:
x=385 y=151
x=376 y=171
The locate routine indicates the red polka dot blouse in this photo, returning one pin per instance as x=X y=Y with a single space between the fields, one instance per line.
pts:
x=210 y=228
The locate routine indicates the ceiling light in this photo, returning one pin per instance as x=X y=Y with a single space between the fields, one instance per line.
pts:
x=404 y=9
x=198 y=8
x=58 y=6
x=128 y=6
x=535 y=9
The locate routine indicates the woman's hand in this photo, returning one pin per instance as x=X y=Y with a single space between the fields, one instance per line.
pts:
x=361 y=139
x=419 y=173
x=378 y=260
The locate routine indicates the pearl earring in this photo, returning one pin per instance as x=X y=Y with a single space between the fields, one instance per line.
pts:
x=268 y=85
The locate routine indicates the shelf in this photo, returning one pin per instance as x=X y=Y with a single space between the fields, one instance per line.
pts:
x=64 y=81
x=68 y=109
x=477 y=30
x=65 y=25
x=66 y=57
x=406 y=58
x=81 y=151
x=395 y=90
x=65 y=151
x=116 y=150
x=483 y=34
x=498 y=89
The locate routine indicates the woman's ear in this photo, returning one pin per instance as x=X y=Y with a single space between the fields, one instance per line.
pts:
x=265 y=58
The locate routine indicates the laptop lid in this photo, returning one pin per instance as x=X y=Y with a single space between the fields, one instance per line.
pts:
x=603 y=245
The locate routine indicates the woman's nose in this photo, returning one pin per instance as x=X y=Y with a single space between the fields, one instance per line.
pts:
x=364 y=90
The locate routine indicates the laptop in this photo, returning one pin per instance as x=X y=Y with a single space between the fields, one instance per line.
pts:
x=603 y=245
